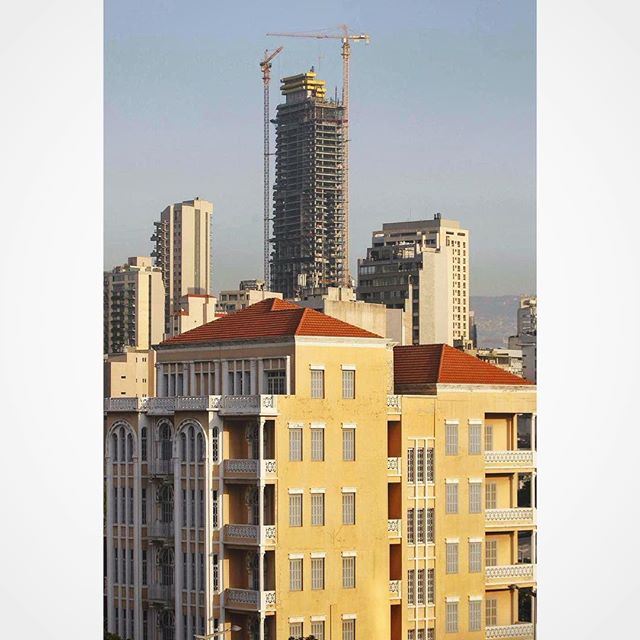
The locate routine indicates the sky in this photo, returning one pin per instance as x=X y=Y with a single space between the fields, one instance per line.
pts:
x=443 y=119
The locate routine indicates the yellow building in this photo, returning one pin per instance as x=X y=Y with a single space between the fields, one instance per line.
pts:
x=295 y=475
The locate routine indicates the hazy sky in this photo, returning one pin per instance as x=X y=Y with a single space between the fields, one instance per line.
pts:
x=442 y=119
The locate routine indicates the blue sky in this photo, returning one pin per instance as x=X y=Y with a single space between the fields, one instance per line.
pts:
x=442 y=119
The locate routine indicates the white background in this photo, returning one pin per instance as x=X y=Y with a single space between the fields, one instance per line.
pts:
x=51 y=318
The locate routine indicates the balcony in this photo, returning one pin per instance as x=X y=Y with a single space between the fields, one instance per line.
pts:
x=395 y=589
x=523 y=630
x=161 y=592
x=249 y=600
x=518 y=459
x=394 y=470
x=510 y=574
x=265 y=405
x=165 y=406
x=394 y=529
x=249 y=534
x=248 y=469
x=160 y=467
x=160 y=530
x=123 y=404
x=394 y=405
x=515 y=517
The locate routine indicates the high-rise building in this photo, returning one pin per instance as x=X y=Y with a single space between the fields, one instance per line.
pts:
x=309 y=244
x=297 y=476
x=183 y=251
x=526 y=338
x=422 y=267
x=133 y=306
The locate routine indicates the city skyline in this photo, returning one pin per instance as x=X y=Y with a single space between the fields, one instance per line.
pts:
x=171 y=136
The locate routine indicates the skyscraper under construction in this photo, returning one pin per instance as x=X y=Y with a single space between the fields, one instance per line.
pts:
x=309 y=243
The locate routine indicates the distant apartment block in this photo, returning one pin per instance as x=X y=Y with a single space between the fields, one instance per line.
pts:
x=508 y=359
x=133 y=312
x=249 y=292
x=526 y=338
x=195 y=309
x=130 y=374
x=423 y=268
x=182 y=240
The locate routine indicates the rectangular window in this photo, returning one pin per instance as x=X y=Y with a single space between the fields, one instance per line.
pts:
x=295 y=445
x=491 y=552
x=216 y=574
x=317 y=383
x=451 y=439
x=130 y=566
x=451 y=497
x=420 y=464
x=295 y=630
x=184 y=507
x=317 y=573
x=411 y=524
x=348 y=384
x=430 y=464
x=411 y=584
x=193 y=571
x=475 y=557
x=143 y=505
x=431 y=586
x=490 y=497
x=411 y=472
x=349 y=444
x=475 y=445
x=348 y=630
x=317 y=445
x=144 y=566
x=452 y=557
x=185 y=562
x=474 y=615
x=348 y=572
x=130 y=505
x=452 y=617
x=420 y=526
x=491 y=612
x=214 y=508
x=115 y=504
x=193 y=507
x=201 y=508
x=295 y=509
x=317 y=629
x=420 y=587
x=295 y=574
x=488 y=437
x=348 y=508
x=431 y=524
x=115 y=565
x=201 y=572
x=475 y=497
x=276 y=382
x=317 y=509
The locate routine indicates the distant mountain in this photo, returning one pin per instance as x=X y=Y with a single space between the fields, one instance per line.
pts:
x=496 y=319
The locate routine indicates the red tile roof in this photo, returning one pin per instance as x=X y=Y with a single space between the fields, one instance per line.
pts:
x=270 y=318
x=439 y=363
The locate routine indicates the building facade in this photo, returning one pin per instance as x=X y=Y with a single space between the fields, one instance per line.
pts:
x=131 y=374
x=527 y=336
x=133 y=306
x=195 y=310
x=423 y=268
x=293 y=476
x=249 y=292
x=309 y=244
x=182 y=251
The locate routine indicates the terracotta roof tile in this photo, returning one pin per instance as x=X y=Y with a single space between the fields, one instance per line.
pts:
x=270 y=318
x=440 y=363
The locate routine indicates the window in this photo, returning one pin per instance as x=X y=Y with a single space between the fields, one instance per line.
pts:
x=411 y=524
x=452 y=617
x=184 y=508
x=348 y=572
x=295 y=574
x=115 y=566
x=215 y=445
x=475 y=556
x=411 y=582
x=295 y=509
x=295 y=630
x=431 y=586
x=214 y=508
x=431 y=524
x=420 y=464
x=420 y=526
x=143 y=505
x=317 y=509
x=295 y=445
x=474 y=439
x=411 y=472
x=317 y=629
x=348 y=384
x=451 y=497
x=420 y=587
x=143 y=444
x=488 y=437
x=193 y=507
x=348 y=630
x=451 y=439
x=216 y=573
x=491 y=552
x=491 y=612
x=144 y=566
x=490 y=495
x=317 y=573
x=317 y=383
x=200 y=447
x=348 y=508
x=452 y=557
x=475 y=497
x=276 y=382
x=348 y=444
x=184 y=570
x=201 y=508
x=201 y=572
x=430 y=465
x=317 y=445
x=474 y=615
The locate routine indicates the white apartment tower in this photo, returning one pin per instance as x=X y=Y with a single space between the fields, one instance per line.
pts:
x=183 y=251
x=423 y=268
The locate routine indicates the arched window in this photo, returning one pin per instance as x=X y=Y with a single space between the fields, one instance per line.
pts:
x=192 y=447
x=183 y=446
x=165 y=441
x=121 y=443
x=143 y=444
x=215 y=445
x=114 y=447
x=200 y=441
x=129 y=447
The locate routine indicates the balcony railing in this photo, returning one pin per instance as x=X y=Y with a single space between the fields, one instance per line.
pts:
x=510 y=573
x=393 y=467
x=160 y=467
x=394 y=404
x=249 y=600
x=160 y=406
x=510 y=517
x=123 y=404
x=395 y=589
x=522 y=630
x=250 y=534
x=161 y=592
x=247 y=469
x=519 y=459
x=160 y=530
x=248 y=405
x=394 y=528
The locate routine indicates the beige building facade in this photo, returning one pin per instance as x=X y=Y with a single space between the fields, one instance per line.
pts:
x=292 y=477
x=133 y=306
x=195 y=310
x=249 y=292
x=130 y=374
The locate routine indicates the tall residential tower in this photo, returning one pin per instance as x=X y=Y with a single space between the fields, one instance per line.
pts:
x=309 y=223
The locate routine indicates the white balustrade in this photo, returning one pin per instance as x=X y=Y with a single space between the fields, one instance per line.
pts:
x=522 y=630
x=518 y=458
x=248 y=468
x=249 y=534
x=248 y=405
x=510 y=573
x=161 y=405
x=395 y=589
x=394 y=528
x=248 y=599
x=393 y=467
x=508 y=517
x=124 y=404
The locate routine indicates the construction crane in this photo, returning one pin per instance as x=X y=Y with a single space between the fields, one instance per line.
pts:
x=265 y=67
x=346 y=39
